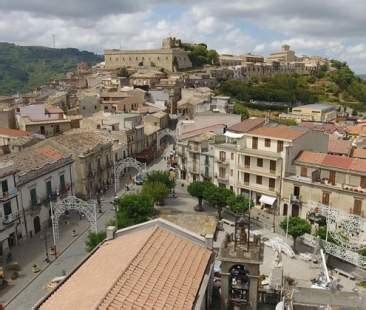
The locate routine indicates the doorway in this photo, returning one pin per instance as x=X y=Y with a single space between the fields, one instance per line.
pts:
x=37 y=224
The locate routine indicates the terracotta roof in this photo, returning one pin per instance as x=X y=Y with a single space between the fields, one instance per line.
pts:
x=329 y=128
x=247 y=125
x=14 y=132
x=339 y=146
x=359 y=153
x=332 y=161
x=196 y=132
x=359 y=129
x=279 y=132
x=154 y=265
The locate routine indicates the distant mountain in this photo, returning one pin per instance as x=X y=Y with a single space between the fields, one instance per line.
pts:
x=25 y=67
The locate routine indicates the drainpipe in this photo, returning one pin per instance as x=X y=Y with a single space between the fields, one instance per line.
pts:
x=24 y=216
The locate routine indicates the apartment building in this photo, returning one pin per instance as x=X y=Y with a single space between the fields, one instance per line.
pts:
x=125 y=99
x=257 y=162
x=9 y=208
x=42 y=174
x=332 y=180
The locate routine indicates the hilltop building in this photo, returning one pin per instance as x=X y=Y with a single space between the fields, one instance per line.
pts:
x=170 y=57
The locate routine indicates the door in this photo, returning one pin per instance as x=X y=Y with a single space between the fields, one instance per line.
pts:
x=43 y=131
x=332 y=177
x=357 y=207
x=37 y=224
x=295 y=210
x=325 y=199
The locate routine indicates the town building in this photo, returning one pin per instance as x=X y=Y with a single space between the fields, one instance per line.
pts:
x=158 y=119
x=332 y=180
x=194 y=100
x=146 y=79
x=170 y=57
x=285 y=55
x=125 y=99
x=45 y=120
x=256 y=163
x=337 y=146
x=317 y=112
x=7 y=112
x=176 y=271
x=92 y=154
x=10 y=213
x=88 y=104
x=42 y=175
x=14 y=140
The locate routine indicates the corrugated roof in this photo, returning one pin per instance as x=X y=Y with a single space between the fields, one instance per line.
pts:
x=279 y=132
x=332 y=161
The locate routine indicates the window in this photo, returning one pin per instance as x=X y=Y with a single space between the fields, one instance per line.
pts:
x=259 y=162
x=297 y=191
x=247 y=161
x=206 y=171
x=62 y=182
x=232 y=156
x=267 y=142
x=222 y=156
x=363 y=182
x=33 y=195
x=222 y=172
x=43 y=131
x=357 y=207
x=7 y=209
x=304 y=172
x=246 y=178
x=4 y=187
x=325 y=198
x=254 y=143
x=272 y=183
x=49 y=188
x=258 y=179
x=279 y=146
x=231 y=172
x=272 y=166
x=332 y=177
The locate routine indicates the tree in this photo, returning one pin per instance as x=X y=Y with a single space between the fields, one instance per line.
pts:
x=156 y=190
x=238 y=204
x=162 y=177
x=94 y=238
x=217 y=197
x=296 y=227
x=239 y=108
x=196 y=189
x=134 y=209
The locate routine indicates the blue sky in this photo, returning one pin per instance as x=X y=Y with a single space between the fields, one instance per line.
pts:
x=334 y=29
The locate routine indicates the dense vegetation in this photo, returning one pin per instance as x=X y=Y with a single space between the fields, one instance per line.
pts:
x=25 y=67
x=200 y=55
x=336 y=83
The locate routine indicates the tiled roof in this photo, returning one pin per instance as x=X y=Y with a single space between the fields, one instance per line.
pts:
x=359 y=153
x=359 y=129
x=329 y=128
x=14 y=132
x=147 y=266
x=339 y=146
x=280 y=132
x=247 y=125
x=332 y=161
x=166 y=274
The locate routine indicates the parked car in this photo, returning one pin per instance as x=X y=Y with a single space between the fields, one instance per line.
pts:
x=139 y=179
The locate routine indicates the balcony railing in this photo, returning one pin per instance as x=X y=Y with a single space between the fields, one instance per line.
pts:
x=10 y=218
x=35 y=205
x=8 y=195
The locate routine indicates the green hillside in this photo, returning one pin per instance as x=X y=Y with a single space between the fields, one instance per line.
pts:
x=335 y=83
x=25 y=67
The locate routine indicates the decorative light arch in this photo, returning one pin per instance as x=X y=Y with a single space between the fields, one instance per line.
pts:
x=128 y=162
x=163 y=133
x=73 y=203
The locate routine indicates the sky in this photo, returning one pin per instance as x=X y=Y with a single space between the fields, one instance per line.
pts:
x=330 y=28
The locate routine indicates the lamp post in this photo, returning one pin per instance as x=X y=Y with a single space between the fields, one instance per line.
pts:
x=53 y=229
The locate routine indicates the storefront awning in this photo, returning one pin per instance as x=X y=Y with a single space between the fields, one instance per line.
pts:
x=267 y=200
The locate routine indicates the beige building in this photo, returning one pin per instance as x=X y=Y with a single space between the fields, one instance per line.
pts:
x=93 y=160
x=170 y=57
x=125 y=99
x=7 y=112
x=285 y=55
x=45 y=120
x=319 y=178
x=158 y=119
x=14 y=140
x=317 y=112
x=258 y=161
x=146 y=79
x=233 y=60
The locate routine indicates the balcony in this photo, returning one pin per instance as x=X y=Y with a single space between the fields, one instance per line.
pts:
x=10 y=219
x=222 y=161
x=35 y=205
x=8 y=195
x=222 y=179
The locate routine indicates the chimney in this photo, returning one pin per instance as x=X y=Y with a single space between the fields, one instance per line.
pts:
x=209 y=241
x=111 y=232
